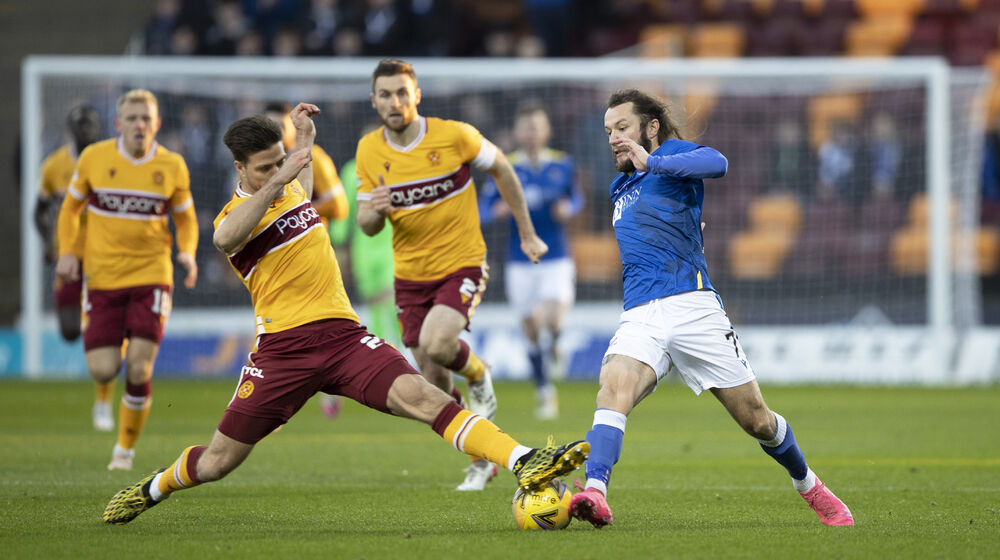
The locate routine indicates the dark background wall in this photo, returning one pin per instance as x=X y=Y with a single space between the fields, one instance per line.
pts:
x=45 y=27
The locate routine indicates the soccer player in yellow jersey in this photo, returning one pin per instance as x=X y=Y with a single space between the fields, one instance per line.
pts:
x=309 y=339
x=328 y=198
x=415 y=172
x=128 y=185
x=84 y=125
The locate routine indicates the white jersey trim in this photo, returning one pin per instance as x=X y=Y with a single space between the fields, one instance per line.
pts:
x=486 y=157
x=411 y=145
x=144 y=159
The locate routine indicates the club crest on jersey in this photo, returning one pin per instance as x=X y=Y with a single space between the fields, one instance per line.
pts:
x=386 y=166
x=158 y=177
x=245 y=390
x=112 y=172
x=434 y=157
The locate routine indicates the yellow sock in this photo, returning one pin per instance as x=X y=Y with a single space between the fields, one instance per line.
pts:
x=131 y=418
x=478 y=437
x=474 y=368
x=102 y=391
x=182 y=473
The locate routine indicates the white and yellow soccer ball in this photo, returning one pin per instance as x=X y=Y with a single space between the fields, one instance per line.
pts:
x=544 y=510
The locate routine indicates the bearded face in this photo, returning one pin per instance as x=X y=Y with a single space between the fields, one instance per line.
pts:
x=623 y=164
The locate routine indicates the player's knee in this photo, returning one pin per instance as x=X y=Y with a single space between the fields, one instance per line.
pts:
x=438 y=349
x=759 y=424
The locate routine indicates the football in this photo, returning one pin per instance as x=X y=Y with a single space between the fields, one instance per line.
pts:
x=544 y=510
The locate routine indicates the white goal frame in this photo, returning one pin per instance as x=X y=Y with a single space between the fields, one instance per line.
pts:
x=933 y=72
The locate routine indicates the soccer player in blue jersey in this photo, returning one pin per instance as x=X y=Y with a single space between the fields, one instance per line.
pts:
x=540 y=293
x=673 y=318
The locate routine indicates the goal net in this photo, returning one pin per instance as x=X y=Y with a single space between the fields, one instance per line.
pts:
x=844 y=241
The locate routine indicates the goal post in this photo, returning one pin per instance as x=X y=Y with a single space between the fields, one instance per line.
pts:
x=723 y=103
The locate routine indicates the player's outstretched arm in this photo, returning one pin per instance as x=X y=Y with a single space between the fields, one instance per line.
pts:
x=305 y=134
x=510 y=189
x=43 y=223
x=67 y=228
x=234 y=231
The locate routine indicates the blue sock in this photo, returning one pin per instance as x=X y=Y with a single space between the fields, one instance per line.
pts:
x=605 y=440
x=537 y=369
x=784 y=449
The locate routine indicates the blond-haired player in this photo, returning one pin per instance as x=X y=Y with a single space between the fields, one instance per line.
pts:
x=416 y=172
x=128 y=186
x=308 y=336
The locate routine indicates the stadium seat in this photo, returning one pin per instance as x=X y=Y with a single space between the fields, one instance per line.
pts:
x=918 y=213
x=758 y=255
x=877 y=36
x=823 y=38
x=843 y=9
x=776 y=213
x=661 y=41
x=985 y=244
x=908 y=251
x=879 y=8
x=911 y=246
x=929 y=36
x=596 y=257
x=720 y=40
x=774 y=37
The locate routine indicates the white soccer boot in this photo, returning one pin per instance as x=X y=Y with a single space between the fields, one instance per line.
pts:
x=121 y=459
x=103 y=421
x=477 y=475
x=482 y=399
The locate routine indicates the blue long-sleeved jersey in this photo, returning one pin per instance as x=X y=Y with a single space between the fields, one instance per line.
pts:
x=545 y=184
x=657 y=221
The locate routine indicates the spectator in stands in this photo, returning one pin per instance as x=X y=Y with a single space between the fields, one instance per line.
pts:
x=183 y=41
x=228 y=25
x=323 y=21
x=348 y=42
x=158 y=32
x=287 y=42
x=789 y=159
x=837 y=158
x=886 y=153
x=384 y=28
x=270 y=17
x=551 y=21
x=431 y=26
x=250 y=44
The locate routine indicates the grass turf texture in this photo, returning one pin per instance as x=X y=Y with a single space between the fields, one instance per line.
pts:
x=919 y=468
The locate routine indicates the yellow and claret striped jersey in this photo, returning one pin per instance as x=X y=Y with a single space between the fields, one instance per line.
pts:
x=56 y=173
x=328 y=197
x=127 y=199
x=288 y=265
x=435 y=221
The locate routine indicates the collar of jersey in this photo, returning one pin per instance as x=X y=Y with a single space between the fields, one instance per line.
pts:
x=149 y=155
x=411 y=145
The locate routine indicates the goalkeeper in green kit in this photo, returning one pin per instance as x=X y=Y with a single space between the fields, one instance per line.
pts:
x=371 y=269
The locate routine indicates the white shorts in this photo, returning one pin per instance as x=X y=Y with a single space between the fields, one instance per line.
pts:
x=690 y=332
x=530 y=284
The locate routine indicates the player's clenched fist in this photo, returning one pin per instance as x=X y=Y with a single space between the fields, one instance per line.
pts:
x=381 y=200
x=302 y=116
x=534 y=248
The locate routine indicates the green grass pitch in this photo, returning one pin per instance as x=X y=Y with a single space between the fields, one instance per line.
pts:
x=919 y=467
